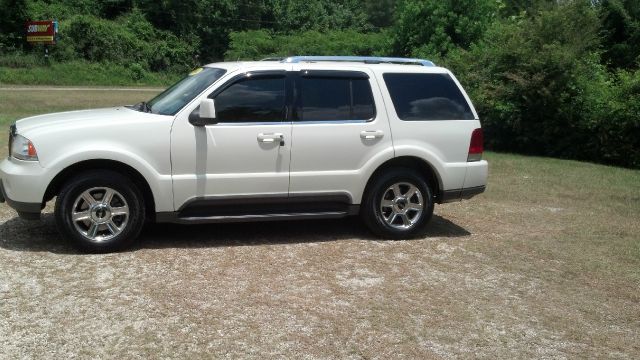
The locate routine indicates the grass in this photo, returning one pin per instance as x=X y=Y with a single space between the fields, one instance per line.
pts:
x=545 y=264
x=84 y=73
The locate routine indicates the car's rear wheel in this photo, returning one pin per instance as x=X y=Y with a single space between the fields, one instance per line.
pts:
x=100 y=211
x=398 y=204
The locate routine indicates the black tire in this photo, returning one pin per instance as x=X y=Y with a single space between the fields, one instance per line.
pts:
x=377 y=217
x=117 y=231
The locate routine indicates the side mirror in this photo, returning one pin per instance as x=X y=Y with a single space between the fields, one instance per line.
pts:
x=205 y=114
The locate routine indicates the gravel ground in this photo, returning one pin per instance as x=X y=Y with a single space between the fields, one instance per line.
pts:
x=310 y=289
x=321 y=288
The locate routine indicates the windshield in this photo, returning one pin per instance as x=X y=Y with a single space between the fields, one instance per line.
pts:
x=170 y=101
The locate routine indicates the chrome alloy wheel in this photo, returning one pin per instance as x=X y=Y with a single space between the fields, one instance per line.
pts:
x=401 y=205
x=100 y=214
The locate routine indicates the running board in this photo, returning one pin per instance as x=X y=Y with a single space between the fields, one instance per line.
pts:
x=174 y=217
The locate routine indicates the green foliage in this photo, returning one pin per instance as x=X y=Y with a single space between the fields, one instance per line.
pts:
x=610 y=105
x=380 y=13
x=540 y=89
x=213 y=21
x=202 y=22
x=510 y=8
x=319 y=15
x=83 y=73
x=258 y=44
x=621 y=23
x=19 y=59
x=129 y=39
x=432 y=28
x=14 y=15
x=522 y=76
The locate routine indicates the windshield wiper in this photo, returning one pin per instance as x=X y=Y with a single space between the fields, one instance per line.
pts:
x=142 y=106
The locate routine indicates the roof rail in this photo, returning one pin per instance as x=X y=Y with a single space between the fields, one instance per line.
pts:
x=364 y=59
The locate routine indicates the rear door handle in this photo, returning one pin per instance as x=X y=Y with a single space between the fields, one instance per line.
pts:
x=371 y=135
x=270 y=138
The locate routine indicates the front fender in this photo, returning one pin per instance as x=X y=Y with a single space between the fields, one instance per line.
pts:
x=160 y=183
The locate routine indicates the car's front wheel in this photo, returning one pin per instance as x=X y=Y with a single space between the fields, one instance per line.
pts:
x=100 y=211
x=398 y=204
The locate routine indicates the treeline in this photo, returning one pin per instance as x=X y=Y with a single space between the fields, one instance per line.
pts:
x=549 y=77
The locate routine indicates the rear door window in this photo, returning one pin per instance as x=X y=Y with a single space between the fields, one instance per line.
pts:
x=427 y=97
x=335 y=96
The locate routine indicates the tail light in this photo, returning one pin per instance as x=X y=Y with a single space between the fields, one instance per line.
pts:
x=476 y=147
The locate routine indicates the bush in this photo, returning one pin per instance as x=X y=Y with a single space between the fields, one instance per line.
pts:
x=540 y=88
x=610 y=106
x=137 y=71
x=130 y=39
x=80 y=72
x=432 y=28
x=18 y=59
x=257 y=44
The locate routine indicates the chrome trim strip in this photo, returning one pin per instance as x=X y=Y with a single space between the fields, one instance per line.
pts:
x=174 y=218
x=291 y=197
x=251 y=123
x=301 y=122
x=263 y=216
x=363 y=59
x=298 y=122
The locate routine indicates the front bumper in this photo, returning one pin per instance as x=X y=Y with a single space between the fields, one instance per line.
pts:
x=22 y=187
x=26 y=210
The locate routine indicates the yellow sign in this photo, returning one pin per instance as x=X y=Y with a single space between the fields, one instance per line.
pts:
x=38 y=38
x=42 y=32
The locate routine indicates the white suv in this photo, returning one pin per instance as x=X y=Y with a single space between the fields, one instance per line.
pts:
x=298 y=138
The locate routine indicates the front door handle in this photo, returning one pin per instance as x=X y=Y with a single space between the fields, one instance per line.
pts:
x=371 y=134
x=270 y=138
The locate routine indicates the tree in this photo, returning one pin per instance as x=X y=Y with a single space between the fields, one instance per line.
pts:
x=213 y=21
x=14 y=15
x=540 y=88
x=621 y=23
x=320 y=15
x=380 y=13
x=428 y=28
x=258 y=44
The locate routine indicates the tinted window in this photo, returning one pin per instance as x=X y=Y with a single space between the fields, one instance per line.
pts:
x=363 y=108
x=326 y=98
x=427 y=97
x=260 y=99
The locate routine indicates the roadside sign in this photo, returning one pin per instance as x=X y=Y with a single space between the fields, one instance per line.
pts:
x=42 y=32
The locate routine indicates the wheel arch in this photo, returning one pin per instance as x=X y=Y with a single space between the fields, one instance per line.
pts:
x=430 y=174
x=63 y=176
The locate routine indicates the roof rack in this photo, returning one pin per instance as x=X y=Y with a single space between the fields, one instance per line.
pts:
x=272 y=59
x=364 y=59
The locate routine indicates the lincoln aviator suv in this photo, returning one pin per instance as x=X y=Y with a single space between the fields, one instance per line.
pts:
x=297 y=138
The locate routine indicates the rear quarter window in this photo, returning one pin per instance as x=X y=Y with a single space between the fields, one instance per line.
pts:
x=427 y=97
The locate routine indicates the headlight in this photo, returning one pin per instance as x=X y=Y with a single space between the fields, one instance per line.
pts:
x=23 y=149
